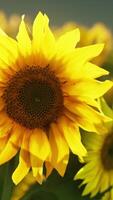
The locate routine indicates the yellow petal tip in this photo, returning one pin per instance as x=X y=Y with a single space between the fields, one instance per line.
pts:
x=23 y=16
x=100 y=47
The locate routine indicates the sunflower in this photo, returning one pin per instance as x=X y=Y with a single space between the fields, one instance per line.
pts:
x=47 y=91
x=97 y=173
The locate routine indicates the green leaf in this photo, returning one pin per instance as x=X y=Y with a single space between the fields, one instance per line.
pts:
x=6 y=183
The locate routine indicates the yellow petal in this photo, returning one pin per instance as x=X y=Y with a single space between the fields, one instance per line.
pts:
x=84 y=171
x=73 y=64
x=88 y=88
x=40 y=177
x=94 y=192
x=90 y=186
x=24 y=161
x=92 y=141
x=21 y=171
x=90 y=70
x=7 y=58
x=58 y=144
x=43 y=40
x=111 y=178
x=49 y=168
x=27 y=160
x=105 y=108
x=59 y=152
x=3 y=141
x=91 y=177
x=68 y=41
x=87 y=53
x=88 y=118
x=3 y=121
x=2 y=33
x=48 y=44
x=97 y=124
x=107 y=195
x=8 y=50
x=23 y=38
x=39 y=26
x=39 y=145
x=59 y=166
x=111 y=192
x=11 y=148
x=62 y=165
x=72 y=137
x=37 y=166
x=105 y=180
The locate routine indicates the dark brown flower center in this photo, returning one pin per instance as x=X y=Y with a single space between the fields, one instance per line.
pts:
x=33 y=97
x=107 y=152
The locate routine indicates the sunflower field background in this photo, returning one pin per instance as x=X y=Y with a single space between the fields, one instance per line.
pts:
x=87 y=176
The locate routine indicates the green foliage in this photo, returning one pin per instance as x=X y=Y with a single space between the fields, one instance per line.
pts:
x=54 y=188
x=58 y=188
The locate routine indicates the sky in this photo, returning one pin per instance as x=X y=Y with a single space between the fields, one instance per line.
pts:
x=86 y=12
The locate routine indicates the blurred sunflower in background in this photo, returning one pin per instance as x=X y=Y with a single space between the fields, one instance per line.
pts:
x=48 y=89
x=97 y=173
x=9 y=24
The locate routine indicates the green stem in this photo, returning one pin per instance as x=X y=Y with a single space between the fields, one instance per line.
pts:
x=32 y=190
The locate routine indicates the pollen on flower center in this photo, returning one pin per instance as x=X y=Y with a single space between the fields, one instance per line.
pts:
x=33 y=97
x=107 y=153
